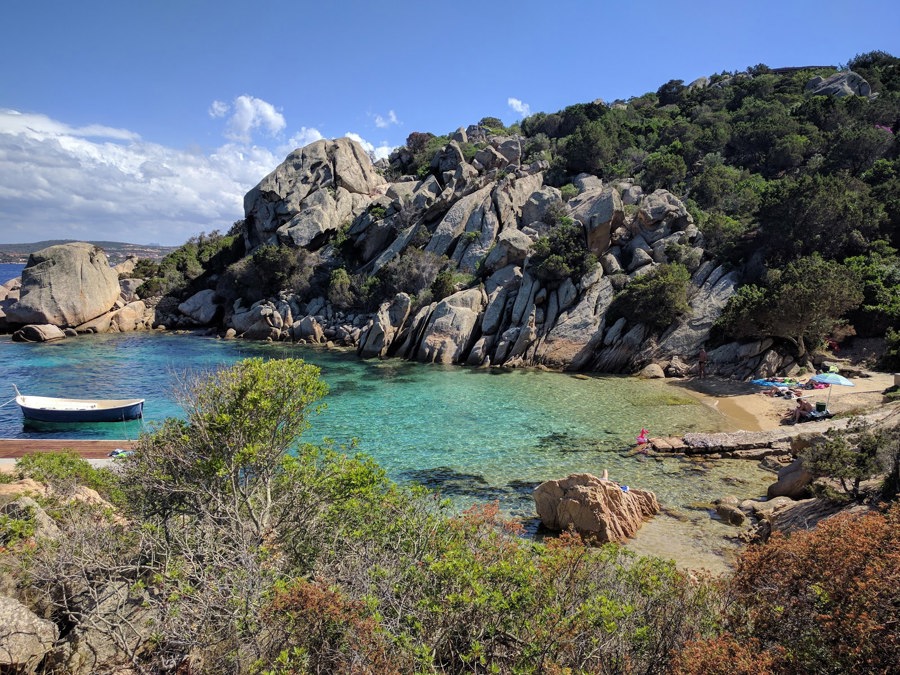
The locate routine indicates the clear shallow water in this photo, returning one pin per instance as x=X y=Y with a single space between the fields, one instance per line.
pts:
x=474 y=434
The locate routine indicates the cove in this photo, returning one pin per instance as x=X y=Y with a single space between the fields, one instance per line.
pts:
x=475 y=435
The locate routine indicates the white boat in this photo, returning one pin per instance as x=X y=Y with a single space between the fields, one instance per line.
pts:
x=48 y=409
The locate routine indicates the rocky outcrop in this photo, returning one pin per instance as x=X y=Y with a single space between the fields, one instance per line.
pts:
x=65 y=285
x=313 y=191
x=793 y=481
x=601 y=212
x=449 y=328
x=599 y=509
x=261 y=322
x=842 y=84
x=25 y=638
x=378 y=338
x=114 y=621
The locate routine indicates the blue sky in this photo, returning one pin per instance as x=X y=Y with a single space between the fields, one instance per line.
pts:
x=147 y=121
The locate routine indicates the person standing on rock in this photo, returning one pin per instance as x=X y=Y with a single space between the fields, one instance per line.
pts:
x=701 y=363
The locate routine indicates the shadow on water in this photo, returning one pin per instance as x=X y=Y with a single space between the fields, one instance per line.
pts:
x=470 y=487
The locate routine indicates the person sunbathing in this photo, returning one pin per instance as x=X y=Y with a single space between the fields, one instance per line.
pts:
x=802 y=410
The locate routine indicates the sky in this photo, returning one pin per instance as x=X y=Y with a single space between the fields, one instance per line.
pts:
x=146 y=121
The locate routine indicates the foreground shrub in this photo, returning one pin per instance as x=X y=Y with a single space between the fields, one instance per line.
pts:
x=819 y=601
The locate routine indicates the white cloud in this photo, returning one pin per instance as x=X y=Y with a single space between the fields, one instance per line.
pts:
x=35 y=125
x=375 y=152
x=218 y=109
x=385 y=122
x=301 y=138
x=248 y=115
x=97 y=182
x=522 y=109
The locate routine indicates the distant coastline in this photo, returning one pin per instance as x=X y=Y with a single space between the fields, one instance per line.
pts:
x=116 y=251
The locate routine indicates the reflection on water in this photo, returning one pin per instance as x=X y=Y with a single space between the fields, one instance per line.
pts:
x=473 y=434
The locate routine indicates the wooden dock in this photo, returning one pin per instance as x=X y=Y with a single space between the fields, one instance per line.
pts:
x=13 y=448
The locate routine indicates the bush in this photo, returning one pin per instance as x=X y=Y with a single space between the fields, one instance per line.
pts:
x=185 y=269
x=824 y=600
x=562 y=253
x=848 y=458
x=340 y=290
x=412 y=272
x=656 y=299
x=14 y=530
x=64 y=471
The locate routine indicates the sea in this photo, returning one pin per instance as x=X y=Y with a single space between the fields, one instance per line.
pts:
x=10 y=271
x=474 y=435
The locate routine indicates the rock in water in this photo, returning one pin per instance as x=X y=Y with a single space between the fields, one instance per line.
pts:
x=65 y=285
x=595 y=508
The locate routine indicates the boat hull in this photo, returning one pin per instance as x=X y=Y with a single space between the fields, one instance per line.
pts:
x=130 y=411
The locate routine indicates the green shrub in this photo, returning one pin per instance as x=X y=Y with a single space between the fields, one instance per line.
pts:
x=568 y=191
x=656 y=299
x=411 y=272
x=340 y=290
x=14 y=530
x=65 y=470
x=562 y=253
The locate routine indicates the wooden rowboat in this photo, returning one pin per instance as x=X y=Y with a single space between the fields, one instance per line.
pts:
x=47 y=409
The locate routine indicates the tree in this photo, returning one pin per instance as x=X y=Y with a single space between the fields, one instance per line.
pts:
x=225 y=461
x=833 y=215
x=800 y=304
x=847 y=458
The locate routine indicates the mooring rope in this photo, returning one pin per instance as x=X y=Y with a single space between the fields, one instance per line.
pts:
x=8 y=402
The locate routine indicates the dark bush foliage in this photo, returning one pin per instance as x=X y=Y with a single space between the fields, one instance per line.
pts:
x=656 y=299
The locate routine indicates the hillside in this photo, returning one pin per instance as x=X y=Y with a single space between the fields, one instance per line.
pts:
x=754 y=214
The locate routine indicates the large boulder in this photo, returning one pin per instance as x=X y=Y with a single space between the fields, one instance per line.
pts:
x=512 y=247
x=387 y=323
x=261 y=322
x=313 y=191
x=570 y=343
x=24 y=637
x=201 y=307
x=842 y=84
x=793 y=481
x=129 y=318
x=660 y=214
x=594 y=507
x=457 y=218
x=713 y=290
x=65 y=285
x=448 y=331
x=601 y=212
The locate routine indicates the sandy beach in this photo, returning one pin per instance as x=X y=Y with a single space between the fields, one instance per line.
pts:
x=746 y=408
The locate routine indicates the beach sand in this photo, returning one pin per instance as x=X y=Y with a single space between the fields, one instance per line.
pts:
x=745 y=408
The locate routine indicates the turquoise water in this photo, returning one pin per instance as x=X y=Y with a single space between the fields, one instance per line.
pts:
x=474 y=434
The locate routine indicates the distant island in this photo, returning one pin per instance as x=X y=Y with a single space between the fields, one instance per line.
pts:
x=116 y=251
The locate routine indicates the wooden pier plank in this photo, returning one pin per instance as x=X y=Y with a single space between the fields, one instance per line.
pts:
x=13 y=448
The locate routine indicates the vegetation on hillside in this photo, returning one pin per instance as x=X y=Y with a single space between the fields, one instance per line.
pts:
x=798 y=192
